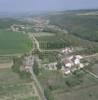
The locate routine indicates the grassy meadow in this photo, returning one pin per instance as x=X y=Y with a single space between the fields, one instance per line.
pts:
x=78 y=86
x=14 y=43
x=14 y=88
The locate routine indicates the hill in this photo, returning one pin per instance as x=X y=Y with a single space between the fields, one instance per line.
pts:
x=77 y=23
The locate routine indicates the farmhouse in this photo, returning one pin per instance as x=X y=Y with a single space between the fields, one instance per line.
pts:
x=67 y=50
x=68 y=63
x=28 y=62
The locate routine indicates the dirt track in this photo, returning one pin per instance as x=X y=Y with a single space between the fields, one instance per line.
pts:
x=6 y=65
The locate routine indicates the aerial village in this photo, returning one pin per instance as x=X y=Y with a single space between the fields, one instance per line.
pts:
x=38 y=25
x=70 y=63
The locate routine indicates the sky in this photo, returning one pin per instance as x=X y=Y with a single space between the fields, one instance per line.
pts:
x=45 y=5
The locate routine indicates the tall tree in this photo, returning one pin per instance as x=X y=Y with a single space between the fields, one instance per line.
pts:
x=36 y=66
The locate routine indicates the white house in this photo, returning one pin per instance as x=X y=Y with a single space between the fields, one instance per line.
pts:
x=81 y=65
x=68 y=63
x=67 y=71
x=67 y=50
x=79 y=57
x=77 y=61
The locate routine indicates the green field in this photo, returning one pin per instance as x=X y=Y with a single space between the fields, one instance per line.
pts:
x=48 y=57
x=58 y=40
x=95 y=69
x=14 y=43
x=42 y=34
x=82 y=94
x=80 y=85
x=51 y=42
x=5 y=60
x=14 y=88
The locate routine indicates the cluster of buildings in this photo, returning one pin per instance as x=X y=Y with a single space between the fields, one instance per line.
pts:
x=72 y=64
x=17 y=28
x=68 y=64
x=39 y=23
x=28 y=62
x=67 y=50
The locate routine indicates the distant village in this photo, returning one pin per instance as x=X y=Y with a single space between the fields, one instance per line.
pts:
x=38 y=25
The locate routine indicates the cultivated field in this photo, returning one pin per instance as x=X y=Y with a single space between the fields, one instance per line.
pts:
x=94 y=66
x=13 y=43
x=51 y=42
x=5 y=62
x=90 y=93
x=58 y=40
x=6 y=65
x=14 y=88
x=80 y=86
x=95 y=69
x=42 y=34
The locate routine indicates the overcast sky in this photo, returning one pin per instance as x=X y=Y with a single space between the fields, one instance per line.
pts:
x=45 y=5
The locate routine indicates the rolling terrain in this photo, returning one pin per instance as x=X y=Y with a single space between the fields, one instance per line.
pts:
x=74 y=29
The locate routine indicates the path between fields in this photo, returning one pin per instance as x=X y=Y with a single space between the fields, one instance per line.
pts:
x=93 y=55
x=76 y=89
x=6 y=65
x=88 y=56
x=11 y=55
x=94 y=75
x=38 y=86
x=36 y=83
x=35 y=42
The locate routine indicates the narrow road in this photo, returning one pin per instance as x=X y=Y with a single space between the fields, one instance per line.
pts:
x=93 y=55
x=94 y=75
x=36 y=42
x=29 y=61
x=54 y=50
x=38 y=86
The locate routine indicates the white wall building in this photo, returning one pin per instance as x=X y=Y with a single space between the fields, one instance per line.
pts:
x=67 y=50
x=79 y=57
x=77 y=61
